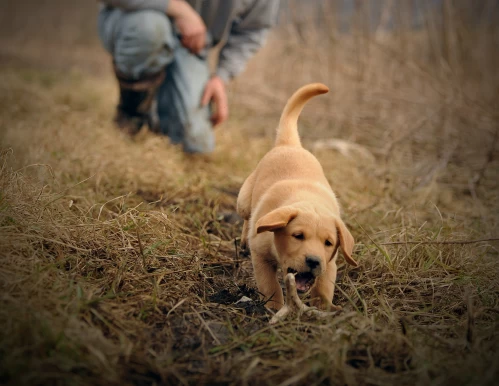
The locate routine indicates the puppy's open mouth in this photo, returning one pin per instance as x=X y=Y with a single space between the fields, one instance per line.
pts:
x=304 y=280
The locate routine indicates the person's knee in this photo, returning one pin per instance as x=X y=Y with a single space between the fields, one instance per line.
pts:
x=147 y=29
x=145 y=44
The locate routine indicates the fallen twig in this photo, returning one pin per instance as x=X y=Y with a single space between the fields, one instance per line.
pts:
x=206 y=326
x=441 y=242
x=53 y=241
x=488 y=159
x=294 y=306
x=470 y=330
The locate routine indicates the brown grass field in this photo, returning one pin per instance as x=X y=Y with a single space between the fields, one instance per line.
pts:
x=119 y=261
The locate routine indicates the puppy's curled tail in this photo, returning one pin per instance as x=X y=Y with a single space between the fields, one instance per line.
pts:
x=287 y=132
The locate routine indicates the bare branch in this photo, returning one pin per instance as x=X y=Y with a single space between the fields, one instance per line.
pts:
x=441 y=242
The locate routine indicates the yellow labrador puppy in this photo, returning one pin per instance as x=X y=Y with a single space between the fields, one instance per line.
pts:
x=291 y=215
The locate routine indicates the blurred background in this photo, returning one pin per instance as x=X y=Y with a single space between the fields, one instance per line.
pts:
x=415 y=82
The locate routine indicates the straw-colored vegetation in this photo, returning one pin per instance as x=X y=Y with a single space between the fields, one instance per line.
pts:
x=118 y=258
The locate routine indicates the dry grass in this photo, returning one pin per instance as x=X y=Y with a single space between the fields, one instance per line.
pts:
x=118 y=261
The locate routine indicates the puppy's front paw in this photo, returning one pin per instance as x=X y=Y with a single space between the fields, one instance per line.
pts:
x=273 y=305
x=325 y=305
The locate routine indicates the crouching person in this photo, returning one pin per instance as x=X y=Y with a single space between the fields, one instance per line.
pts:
x=159 y=50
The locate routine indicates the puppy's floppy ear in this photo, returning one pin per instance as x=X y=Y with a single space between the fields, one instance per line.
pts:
x=346 y=242
x=276 y=219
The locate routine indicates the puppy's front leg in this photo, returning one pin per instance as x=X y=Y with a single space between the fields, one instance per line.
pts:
x=323 y=291
x=266 y=281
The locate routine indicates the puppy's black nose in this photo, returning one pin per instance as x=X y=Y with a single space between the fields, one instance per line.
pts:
x=312 y=261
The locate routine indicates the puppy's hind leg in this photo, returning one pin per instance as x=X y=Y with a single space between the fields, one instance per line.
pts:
x=244 y=235
x=244 y=207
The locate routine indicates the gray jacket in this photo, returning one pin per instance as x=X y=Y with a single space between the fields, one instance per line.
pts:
x=242 y=25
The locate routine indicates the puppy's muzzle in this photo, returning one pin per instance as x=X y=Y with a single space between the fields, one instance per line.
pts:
x=313 y=262
x=306 y=279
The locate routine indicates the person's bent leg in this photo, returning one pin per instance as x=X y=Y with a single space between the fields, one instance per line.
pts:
x=181 y=115
x=141 y=44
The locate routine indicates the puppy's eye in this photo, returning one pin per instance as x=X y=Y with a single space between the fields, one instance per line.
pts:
x=299 y=236
x=328 y=243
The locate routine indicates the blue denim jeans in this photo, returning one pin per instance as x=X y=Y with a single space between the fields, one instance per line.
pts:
x=144 y=42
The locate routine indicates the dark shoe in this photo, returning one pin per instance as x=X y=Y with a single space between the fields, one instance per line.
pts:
x=137 y=103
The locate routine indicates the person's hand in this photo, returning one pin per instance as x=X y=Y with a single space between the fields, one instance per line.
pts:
x=190 y=25
x=215 y=92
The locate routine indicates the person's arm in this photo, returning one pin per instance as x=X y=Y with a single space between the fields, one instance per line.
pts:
x=189 y=23
x=215 y=92
x=246 y=36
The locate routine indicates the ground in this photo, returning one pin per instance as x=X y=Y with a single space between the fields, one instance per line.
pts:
x=120 y=259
